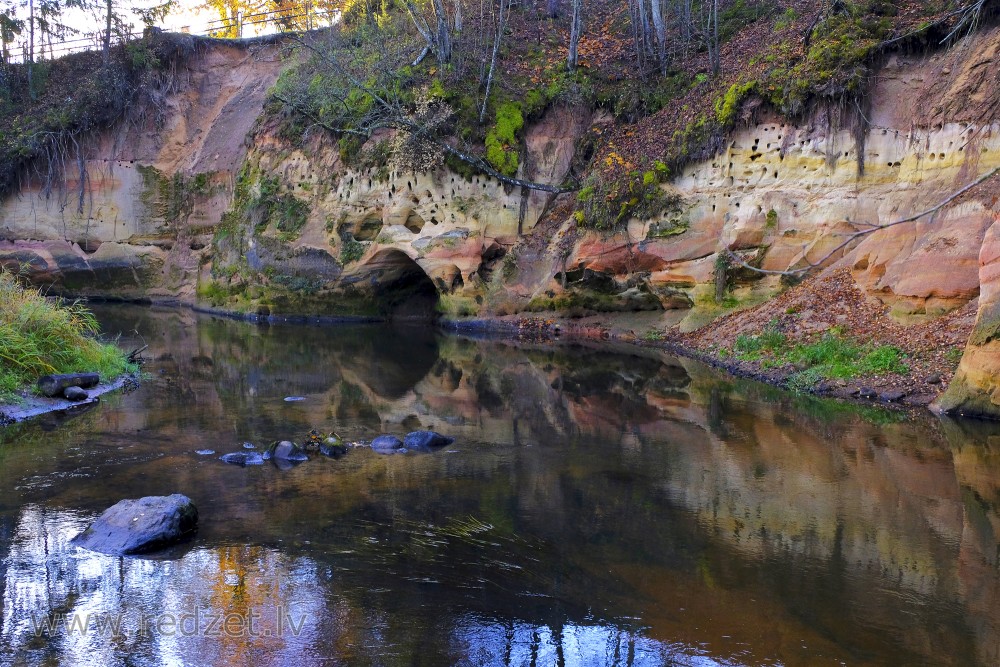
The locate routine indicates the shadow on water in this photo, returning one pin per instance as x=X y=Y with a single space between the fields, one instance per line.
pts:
x=600 y=507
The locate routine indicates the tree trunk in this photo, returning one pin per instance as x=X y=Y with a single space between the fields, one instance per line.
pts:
x=574 y=35
x=686 y=24
x=633 y=12
x=31 y=48
x=644 y=26
x=500 y=24
x=443 y=33
x=661 y=34
x=717 y=63
x=107 y=36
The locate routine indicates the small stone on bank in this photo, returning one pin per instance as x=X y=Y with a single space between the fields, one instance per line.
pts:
x=75 y=394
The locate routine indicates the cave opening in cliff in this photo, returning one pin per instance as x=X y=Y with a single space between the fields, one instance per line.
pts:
x=401 y=289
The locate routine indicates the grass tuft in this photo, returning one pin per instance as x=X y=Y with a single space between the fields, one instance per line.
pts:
x=833 y=356
x=39 y=336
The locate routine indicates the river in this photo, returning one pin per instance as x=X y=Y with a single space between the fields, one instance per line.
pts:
x=600 y=506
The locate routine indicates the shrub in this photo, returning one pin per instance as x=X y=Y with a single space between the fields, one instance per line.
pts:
x=608 y=202
x=351 y=251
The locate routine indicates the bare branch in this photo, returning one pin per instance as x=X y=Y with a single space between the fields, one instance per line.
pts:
x=869 y=229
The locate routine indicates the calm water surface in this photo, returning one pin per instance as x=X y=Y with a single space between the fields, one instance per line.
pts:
x=598 y=508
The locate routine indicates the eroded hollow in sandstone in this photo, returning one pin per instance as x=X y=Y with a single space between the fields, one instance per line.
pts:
x=401 y=288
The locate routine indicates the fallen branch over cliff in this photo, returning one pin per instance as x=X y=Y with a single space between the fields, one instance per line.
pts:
x=868 y=229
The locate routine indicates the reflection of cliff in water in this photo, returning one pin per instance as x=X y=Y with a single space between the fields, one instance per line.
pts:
x=638 y=503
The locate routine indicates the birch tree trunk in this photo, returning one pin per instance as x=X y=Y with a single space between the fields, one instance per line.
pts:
x=500 y=24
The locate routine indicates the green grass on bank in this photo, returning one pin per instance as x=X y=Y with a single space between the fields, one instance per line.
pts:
x=39 y=336
x=832 y=357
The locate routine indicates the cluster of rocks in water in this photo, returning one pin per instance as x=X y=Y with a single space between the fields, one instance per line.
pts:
x=148 y=524
x=286 y=454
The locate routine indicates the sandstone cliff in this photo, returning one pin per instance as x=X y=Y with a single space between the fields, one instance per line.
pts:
x=207 y=202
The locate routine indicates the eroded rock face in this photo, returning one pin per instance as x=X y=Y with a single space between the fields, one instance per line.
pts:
x=975 y=389
x=787 y=195
x=140 y=526
x=779 y=192
x=139 y=221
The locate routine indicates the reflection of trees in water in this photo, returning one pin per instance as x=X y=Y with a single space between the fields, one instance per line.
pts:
x=493 y=642
x=152 y=612
x=341 y=617
x=624 y=477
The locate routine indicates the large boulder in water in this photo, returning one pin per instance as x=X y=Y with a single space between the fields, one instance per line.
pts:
x=425 y=440
x=142 y=525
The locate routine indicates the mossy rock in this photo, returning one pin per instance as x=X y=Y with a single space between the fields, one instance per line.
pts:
x=668 y=228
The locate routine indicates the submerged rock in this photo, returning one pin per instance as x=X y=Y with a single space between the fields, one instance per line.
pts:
x=205 y=452
x=333 y=450
x=425 y=440
x=333 y=446
x=292 y=399
x=141 y=526
x=286 y=451
x=243 y=459
x=387 y=444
